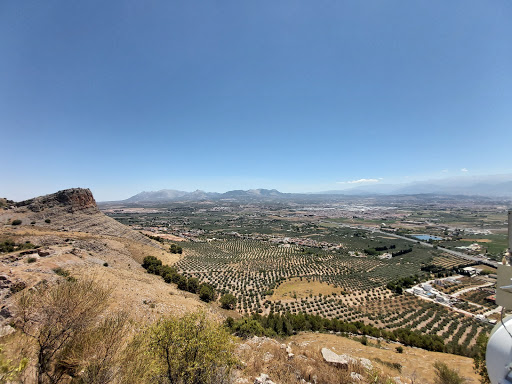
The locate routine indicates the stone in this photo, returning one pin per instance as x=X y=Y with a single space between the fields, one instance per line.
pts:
x=367 y=364
x=29 y=252
x=263 y=379
x=333 y=358
x=356 y=376
x=6 y=330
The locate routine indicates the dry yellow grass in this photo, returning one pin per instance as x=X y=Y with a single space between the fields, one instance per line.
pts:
x=145 y=296
x=416 y=363
x=477 y=240
x=270 y=357
x=295 y=288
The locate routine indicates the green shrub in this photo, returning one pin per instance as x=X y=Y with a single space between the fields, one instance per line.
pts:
x=176 y=249
x=191 y=349
x=61 y=272
x=446 y=375
x=193 y=285
x=206 y=292
x=228 y=301
x=182 y=283
x=47 y=221
x=16 y=222
x=152 y=265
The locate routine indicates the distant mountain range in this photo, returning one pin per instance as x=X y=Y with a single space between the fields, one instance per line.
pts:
x=494 y=186
x=165 y=195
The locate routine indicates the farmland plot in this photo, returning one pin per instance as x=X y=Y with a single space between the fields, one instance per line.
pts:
x=265 y=277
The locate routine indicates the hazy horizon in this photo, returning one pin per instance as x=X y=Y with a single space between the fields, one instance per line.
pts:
x=348 y=188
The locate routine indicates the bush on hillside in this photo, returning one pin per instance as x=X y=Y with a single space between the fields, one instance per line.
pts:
x=206 y=292
x=446 y=375
x=191 y=349
x=228 y=301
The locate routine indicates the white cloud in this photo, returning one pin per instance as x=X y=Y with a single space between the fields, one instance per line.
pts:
x=360 y=181
x=463 y=170
x=444 y=171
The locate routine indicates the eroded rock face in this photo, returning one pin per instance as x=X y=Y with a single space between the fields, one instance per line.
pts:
x=75 y=199
x=70 y=210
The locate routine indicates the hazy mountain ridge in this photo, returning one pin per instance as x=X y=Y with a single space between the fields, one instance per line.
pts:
x=165 y=195
x=477 y=188
x=485 y=187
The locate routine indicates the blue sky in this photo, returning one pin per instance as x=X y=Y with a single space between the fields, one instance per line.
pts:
x=125 y=96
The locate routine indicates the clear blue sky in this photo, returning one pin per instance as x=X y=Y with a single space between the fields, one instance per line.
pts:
x=125 y=96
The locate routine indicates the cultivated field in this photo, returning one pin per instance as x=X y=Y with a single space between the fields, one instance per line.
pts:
x=269 y=278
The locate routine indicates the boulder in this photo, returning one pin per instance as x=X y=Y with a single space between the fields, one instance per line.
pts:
x=367 y=364
x=341 y=361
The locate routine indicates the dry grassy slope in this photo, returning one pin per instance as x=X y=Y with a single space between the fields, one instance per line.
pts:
x=417 y=364
x=263 y=355
x=81 y=239
x=84 y=255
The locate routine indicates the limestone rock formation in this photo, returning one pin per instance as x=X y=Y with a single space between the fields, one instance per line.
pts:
x=71 y=200
x=69 y=210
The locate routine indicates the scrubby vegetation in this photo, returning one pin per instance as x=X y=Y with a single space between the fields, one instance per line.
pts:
x=9 y=371
x=446 y=375
x=170 y=275
x=8 y=245
x=75 y=339
x=176 y=249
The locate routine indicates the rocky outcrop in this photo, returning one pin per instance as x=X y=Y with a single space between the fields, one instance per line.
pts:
x=70 y=210
x=71 y=200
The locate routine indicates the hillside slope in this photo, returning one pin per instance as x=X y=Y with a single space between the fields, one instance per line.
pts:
x=68 y=210
x=73 y=236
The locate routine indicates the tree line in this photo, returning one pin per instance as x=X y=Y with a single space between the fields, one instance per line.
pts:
x=154 y=266
x=275 y=324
